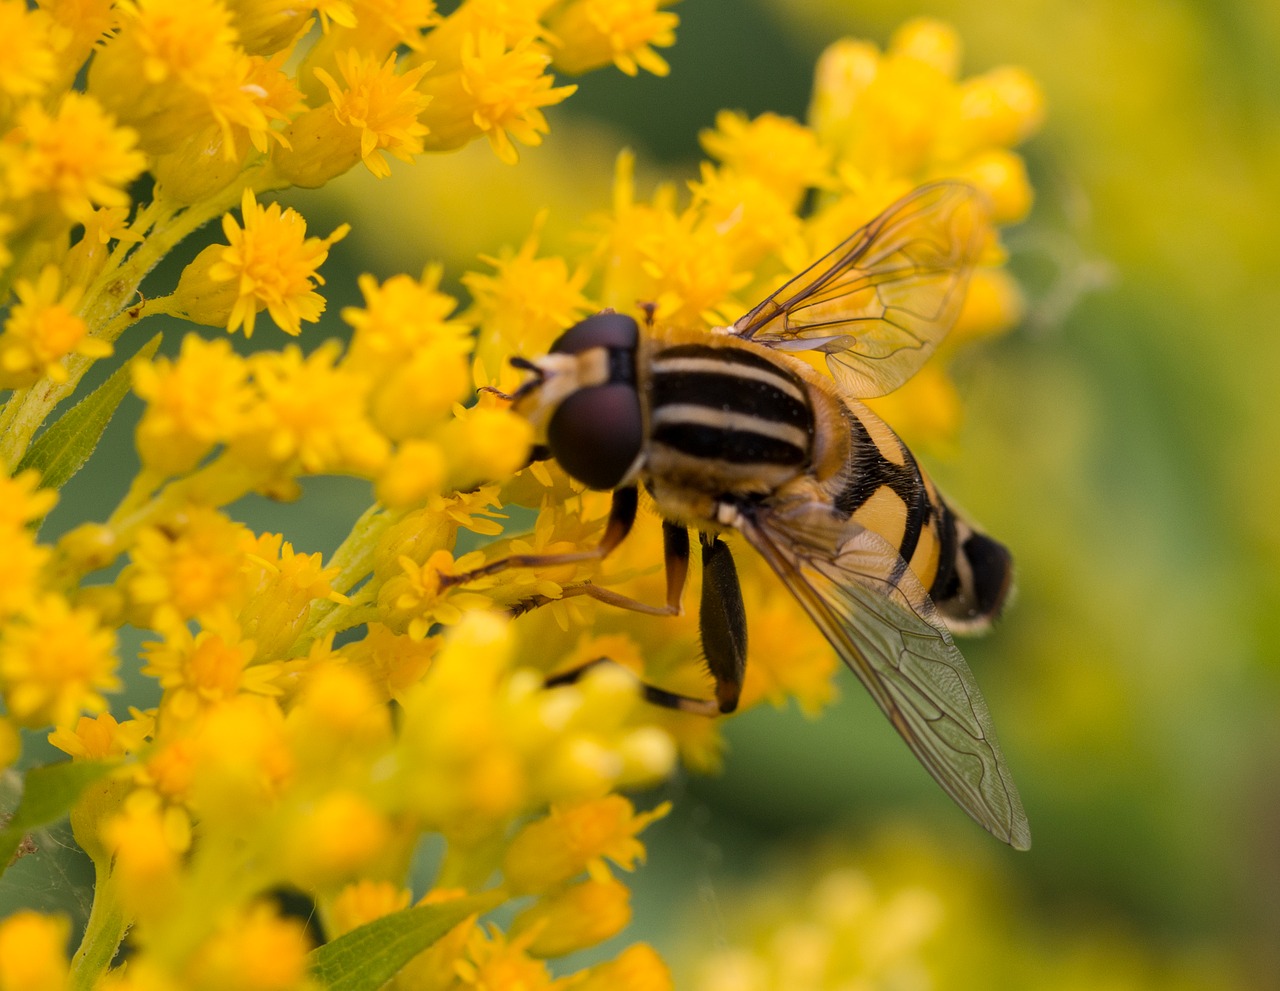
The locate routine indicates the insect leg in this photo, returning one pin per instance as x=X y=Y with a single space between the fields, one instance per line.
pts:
x=723 y=621
x=622 y=515
x=652 y=693
x=675 y=541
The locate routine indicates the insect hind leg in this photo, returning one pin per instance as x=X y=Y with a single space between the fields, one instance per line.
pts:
x=651 y=693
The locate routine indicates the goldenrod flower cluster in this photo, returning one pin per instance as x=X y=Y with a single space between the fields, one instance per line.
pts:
x=318 y=717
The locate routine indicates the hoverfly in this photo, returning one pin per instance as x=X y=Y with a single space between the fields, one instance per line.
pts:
x=729 y=432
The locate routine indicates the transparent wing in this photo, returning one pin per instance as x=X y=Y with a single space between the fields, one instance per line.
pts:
x=880 y=302
x=880 y=620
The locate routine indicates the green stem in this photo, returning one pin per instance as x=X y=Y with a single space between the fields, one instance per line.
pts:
x=102 y=936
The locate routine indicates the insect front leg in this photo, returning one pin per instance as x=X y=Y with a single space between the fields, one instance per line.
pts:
x=723 y=621
x=622 y=516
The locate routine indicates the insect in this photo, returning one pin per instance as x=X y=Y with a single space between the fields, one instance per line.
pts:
x=729 y=432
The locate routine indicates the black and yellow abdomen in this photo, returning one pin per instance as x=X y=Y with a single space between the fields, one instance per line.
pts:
x=726 y=421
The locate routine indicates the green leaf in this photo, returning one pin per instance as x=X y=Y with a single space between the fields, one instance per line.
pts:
x=65 y=446
x=48 y=795
x=366 y=958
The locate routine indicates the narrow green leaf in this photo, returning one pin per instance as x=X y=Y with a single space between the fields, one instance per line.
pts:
x=366 y=958
x=62 y=450
x=47 y=795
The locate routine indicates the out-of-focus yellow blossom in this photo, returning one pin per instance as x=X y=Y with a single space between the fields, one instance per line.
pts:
x=364 y=901
x=904 y=912
x=576 y=838
x=268 y=754
x=41 y=330
x=192 y=403
x=574 y=918
x=55 y=663
x=593 y=33
x=257 y=950
x=33 y=952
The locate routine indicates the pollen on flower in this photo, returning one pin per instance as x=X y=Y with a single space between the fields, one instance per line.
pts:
x=273 y=265
x=56 y=663
x=593 y=33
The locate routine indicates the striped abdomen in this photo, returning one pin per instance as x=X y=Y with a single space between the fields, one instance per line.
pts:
x=726 y=421
x=967 y=574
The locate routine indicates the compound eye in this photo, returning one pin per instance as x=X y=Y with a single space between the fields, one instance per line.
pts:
x=596 y=433
x=604 y=330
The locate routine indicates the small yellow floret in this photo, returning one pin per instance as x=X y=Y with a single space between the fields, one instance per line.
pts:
x=273 y=265
x=42 y=330
x=57 y=664
x=573 y=919
x=593 y=33
x=33 y=952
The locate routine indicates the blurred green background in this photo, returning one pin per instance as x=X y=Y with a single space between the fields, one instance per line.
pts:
x=1123 y=442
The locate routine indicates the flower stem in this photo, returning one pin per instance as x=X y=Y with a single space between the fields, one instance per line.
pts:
x=103 y=934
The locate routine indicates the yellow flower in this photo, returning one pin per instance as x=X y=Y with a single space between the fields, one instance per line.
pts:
x=77 y=157
x=42 y=329
x=581 y=915
x=103 y=737
x=147 y=841
x=784 y=155
x=363 y=901
x=394 y=662
x=33 y=952
x=524 y=304
x=56 y=663
x=205 y=668
x=493 y=962
x=272 y=264
x=402 y=317
x=186 y=566
x=174 y=69
x=637 y=968
x=496 y=91
x=574 y=838
x=333 y=839
x=378 y=110
x=194 y=401
x=310 y=417
x=240 y=761
x=256 y=950
x=280 y=586
x=27 y=50
x=593 y=33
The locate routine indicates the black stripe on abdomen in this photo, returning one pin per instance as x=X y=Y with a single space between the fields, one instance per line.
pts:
x=727 y=444
x=731 y=394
